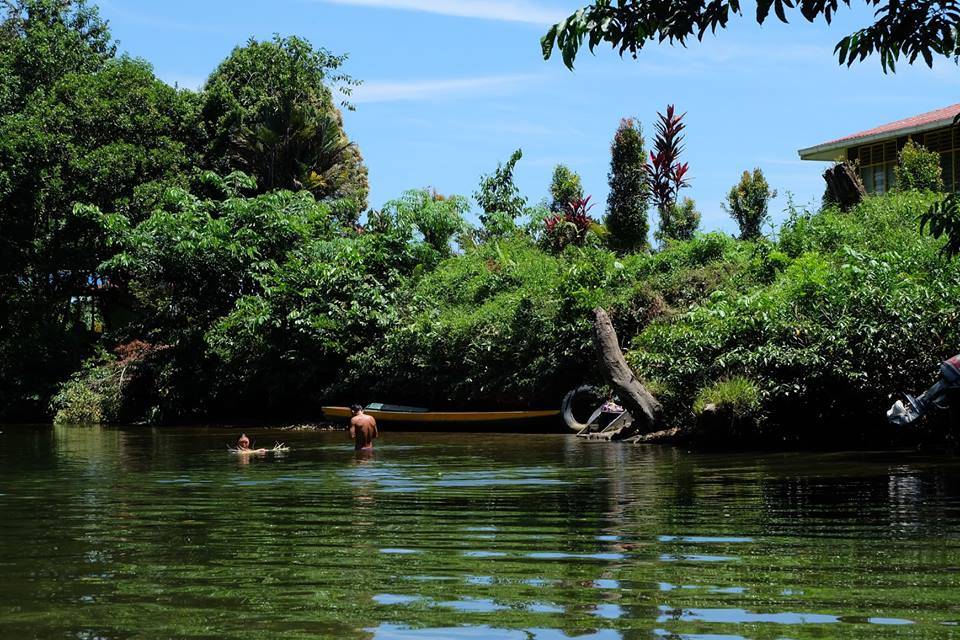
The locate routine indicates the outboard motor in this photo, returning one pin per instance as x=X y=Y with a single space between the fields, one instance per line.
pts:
x=903 y=413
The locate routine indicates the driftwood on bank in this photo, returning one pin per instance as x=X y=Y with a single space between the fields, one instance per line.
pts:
x=667 y=436
x=844 y=185
x=633 y=396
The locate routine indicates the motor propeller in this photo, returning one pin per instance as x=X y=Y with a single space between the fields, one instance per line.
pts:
x=903 y=413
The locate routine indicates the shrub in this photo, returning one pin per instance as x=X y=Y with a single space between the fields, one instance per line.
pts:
x=569 y=228
x=728 y=409
x=438 y=219
x=110 y=387
x=627 y=201
x=679 y=221
x=565 y=188
x=748 y=203
x=86 y=398
x=500 y=198
x=918 y=169
x=737 y=396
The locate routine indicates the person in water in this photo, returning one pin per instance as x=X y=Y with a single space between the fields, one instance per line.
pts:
x=243 y=442
x=363 y=429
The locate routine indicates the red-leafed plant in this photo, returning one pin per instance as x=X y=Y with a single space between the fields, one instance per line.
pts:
x=666 y=175
x=571 y=226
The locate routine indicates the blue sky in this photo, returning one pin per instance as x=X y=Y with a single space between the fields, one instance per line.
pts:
x=451 y=87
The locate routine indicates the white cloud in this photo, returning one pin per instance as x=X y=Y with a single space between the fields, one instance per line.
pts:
x=434 y=89
x=502 y=10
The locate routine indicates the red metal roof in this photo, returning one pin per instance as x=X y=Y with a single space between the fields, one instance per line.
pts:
x=946 y=113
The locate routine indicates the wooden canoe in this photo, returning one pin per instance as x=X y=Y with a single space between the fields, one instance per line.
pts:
x=418 y=416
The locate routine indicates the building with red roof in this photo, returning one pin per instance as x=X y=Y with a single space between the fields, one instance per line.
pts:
x=876 y=149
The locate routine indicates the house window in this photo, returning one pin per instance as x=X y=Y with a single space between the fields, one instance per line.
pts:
x=946 y=142
x=876 y=165
x=877 y=178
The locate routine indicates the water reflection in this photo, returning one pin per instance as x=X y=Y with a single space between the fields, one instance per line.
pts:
x=152 y=533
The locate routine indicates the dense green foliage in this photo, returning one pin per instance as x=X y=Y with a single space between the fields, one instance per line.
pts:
x=81 y=126
x=500 y=200
x=260 y=300
x=43 y=40
x=679 y=222
x=78 y=125
x=748 y=203
x=627 y=201
x=270 y=113
x=573 y=227
x=920 y=28
x=509 y=325
x=784 y=338
x=918 y=169
x=858 y=306
x=565 y=188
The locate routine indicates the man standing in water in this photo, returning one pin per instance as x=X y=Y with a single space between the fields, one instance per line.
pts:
x=363 y=429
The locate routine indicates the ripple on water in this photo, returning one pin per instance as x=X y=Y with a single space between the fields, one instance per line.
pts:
x=478 y=605
x=542 y=540
x=473 y=605
x=608 y=611
x=605 y=583
x=706 y=539
x=890 y=621
x=393 y=598
x=543 y=607
x=484 y=632
x=663 y=633
x=695 y=557
x=493 y=482
x=742 y=616
x=561 y=555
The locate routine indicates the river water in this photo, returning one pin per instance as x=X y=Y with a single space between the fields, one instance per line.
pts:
x=161 y=533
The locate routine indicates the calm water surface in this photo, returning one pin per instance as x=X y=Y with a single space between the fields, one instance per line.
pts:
x=160 y=533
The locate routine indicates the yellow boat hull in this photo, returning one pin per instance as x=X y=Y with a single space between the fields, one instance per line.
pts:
x=445 y=418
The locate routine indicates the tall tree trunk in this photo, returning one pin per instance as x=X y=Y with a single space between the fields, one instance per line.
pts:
x=635 y=398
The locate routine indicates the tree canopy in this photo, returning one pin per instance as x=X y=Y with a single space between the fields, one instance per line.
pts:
x=924 y=29
x=270 y=112
x=85 y=130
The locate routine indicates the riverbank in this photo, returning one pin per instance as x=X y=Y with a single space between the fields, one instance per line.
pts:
x=805 y=338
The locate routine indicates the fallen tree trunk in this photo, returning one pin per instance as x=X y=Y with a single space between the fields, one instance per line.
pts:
x=634 y=396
